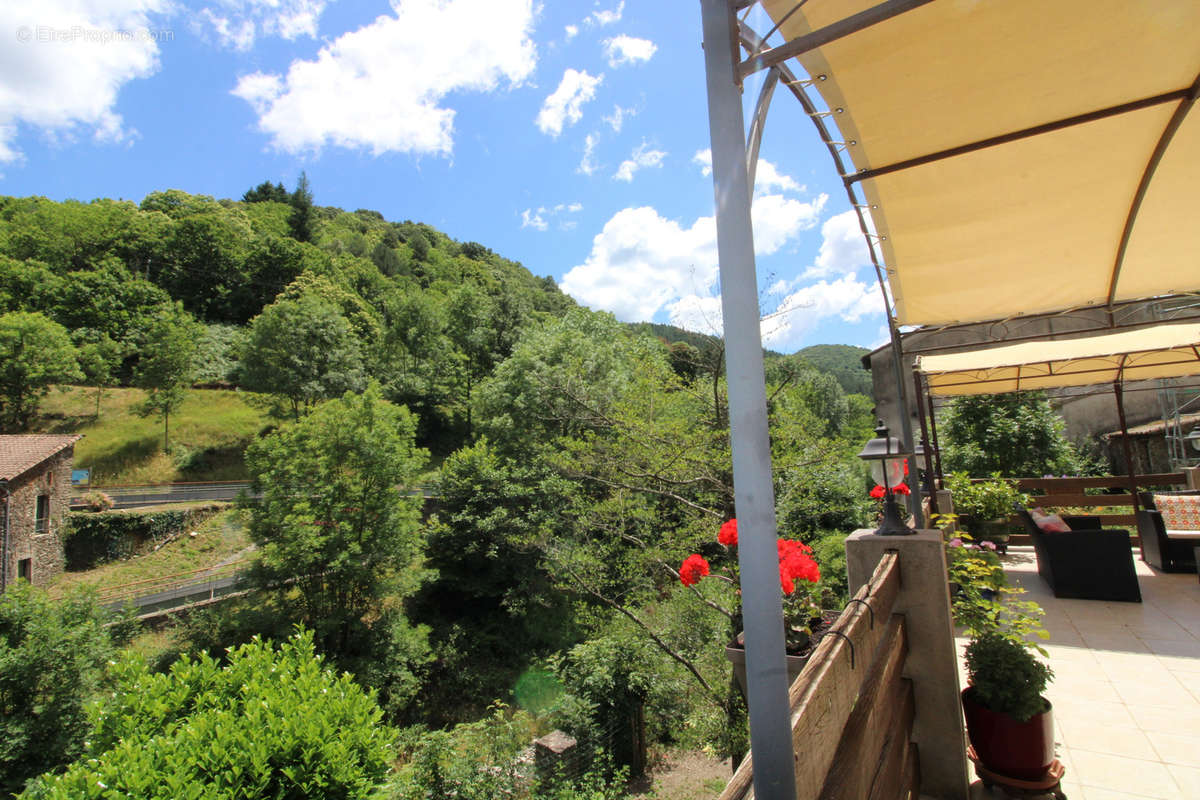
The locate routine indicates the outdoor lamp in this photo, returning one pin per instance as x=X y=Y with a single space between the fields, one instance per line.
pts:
x=887 y=455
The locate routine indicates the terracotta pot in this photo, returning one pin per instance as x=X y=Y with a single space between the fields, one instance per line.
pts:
x=1021 y=750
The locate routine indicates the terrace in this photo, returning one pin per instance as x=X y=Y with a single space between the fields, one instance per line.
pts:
x=1019 y=189
x=1126 y=692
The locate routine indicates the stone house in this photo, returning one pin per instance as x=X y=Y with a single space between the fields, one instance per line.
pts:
x=35 y=489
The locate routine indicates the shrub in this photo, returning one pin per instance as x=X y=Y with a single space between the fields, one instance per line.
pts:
x=52 y=656
x=97 y=501
x=95 y=538
x=1006 y=676
x=271 y=723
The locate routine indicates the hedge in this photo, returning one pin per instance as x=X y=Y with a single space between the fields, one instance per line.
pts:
x=96 y=538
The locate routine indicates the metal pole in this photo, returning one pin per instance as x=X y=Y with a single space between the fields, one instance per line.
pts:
x=906 y=428
x=1125 y=444
x=766 y=669
x=926 y=445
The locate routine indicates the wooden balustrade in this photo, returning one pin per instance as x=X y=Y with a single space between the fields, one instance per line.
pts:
x=852 y=709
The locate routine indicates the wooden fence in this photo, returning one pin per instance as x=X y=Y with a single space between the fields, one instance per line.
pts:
x=852 y=709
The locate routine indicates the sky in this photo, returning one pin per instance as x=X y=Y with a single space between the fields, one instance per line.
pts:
x=571 y=136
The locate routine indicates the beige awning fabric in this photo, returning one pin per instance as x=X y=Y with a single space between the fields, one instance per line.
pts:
x=1165 y=351
x=1056 y=114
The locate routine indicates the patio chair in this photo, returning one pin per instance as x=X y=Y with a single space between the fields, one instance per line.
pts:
x=1169 y=548
x=1088 y=564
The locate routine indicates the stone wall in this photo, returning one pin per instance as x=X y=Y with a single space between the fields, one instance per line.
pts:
x=45 y=550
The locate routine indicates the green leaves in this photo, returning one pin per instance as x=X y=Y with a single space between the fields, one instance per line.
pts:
x=273 y=722
x=35 y=352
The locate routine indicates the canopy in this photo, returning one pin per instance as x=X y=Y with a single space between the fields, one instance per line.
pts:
x=1015 y=156
x=1165 y=351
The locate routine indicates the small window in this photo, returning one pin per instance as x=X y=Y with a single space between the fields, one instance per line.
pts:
x=25 y=569
x=41 y=517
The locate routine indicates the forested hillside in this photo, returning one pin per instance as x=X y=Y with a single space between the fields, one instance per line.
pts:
x=353 y=295
x=583 y=473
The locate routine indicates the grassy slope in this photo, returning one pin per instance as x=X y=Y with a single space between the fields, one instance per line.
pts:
x=208 y=435
x=218 y=540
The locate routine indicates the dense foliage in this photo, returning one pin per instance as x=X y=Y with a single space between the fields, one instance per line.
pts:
x=269 y=723
x=52 y=657
x=1018 y=435
x=580 y=459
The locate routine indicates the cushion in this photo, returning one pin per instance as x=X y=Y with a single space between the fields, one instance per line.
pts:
x=1048 y=523
x=1180 y=512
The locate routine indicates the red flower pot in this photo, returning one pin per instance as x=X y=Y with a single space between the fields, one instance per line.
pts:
x=1021 y=750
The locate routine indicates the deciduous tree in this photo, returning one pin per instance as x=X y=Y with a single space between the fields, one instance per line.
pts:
x=35 y=352
x=168 y=364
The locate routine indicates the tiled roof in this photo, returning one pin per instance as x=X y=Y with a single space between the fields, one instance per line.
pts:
x=19 y=454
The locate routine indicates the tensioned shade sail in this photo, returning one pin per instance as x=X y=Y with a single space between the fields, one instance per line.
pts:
x=1165 y=351
x=1017 y=156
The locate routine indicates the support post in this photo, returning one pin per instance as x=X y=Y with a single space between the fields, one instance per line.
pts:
x=766 y=669
x=932 y=659
x=926 y=445
x=906 y=428
x=1126 y=444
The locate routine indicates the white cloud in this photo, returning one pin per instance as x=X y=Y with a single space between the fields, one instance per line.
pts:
x=238 y=22
x=642 y=263
x=641 y=158
x=587 y=164
x=534 y=219
x=617 y=118
x=843 y=247
x=64 y=63
x=778 y=219
x=541 y=218
x=766 y=175
x=602 y=18
x=380 y=87
x=846 y=298
x=699 y=313
x=565 y=105
x=624 y=49
x=571 y=31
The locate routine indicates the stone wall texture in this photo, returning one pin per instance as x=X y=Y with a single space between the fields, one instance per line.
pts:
x=45 y=550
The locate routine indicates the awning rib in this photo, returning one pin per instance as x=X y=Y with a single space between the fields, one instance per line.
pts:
x=1160 y=150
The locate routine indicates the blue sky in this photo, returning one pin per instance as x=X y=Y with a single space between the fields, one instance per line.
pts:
x=569 y=136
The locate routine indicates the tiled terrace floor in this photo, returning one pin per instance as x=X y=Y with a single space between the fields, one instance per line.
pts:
x=1126 y=693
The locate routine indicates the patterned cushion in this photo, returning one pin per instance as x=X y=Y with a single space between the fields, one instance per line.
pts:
x=1179 y=512
x=1048 y=523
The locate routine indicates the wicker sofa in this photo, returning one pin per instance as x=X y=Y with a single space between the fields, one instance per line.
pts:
x=1170 y=529
x=1088 y=564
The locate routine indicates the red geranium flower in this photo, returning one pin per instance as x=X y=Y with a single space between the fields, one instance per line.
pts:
x=795 y=562
x=878 y=492
x=694 y=568
x=728 y=533
x=901 y=488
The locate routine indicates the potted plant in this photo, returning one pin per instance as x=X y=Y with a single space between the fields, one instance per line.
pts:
x=984 y=507
x=799 y=577
x=1010 y=723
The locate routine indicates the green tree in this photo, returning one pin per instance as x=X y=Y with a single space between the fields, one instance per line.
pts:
x=270 y=722
x=333 y=530
x=301 y=221
x=168 y=364
x=52 y=657
x=35 y=352
x=1018 y=435
x=99 y=358
x=303 y=351
x=266 y=192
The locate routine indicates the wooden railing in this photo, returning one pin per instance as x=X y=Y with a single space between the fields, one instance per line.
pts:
x=852 y=709
x=1071 y=493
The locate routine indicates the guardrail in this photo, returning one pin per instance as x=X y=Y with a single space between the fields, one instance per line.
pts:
x=116 y=595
